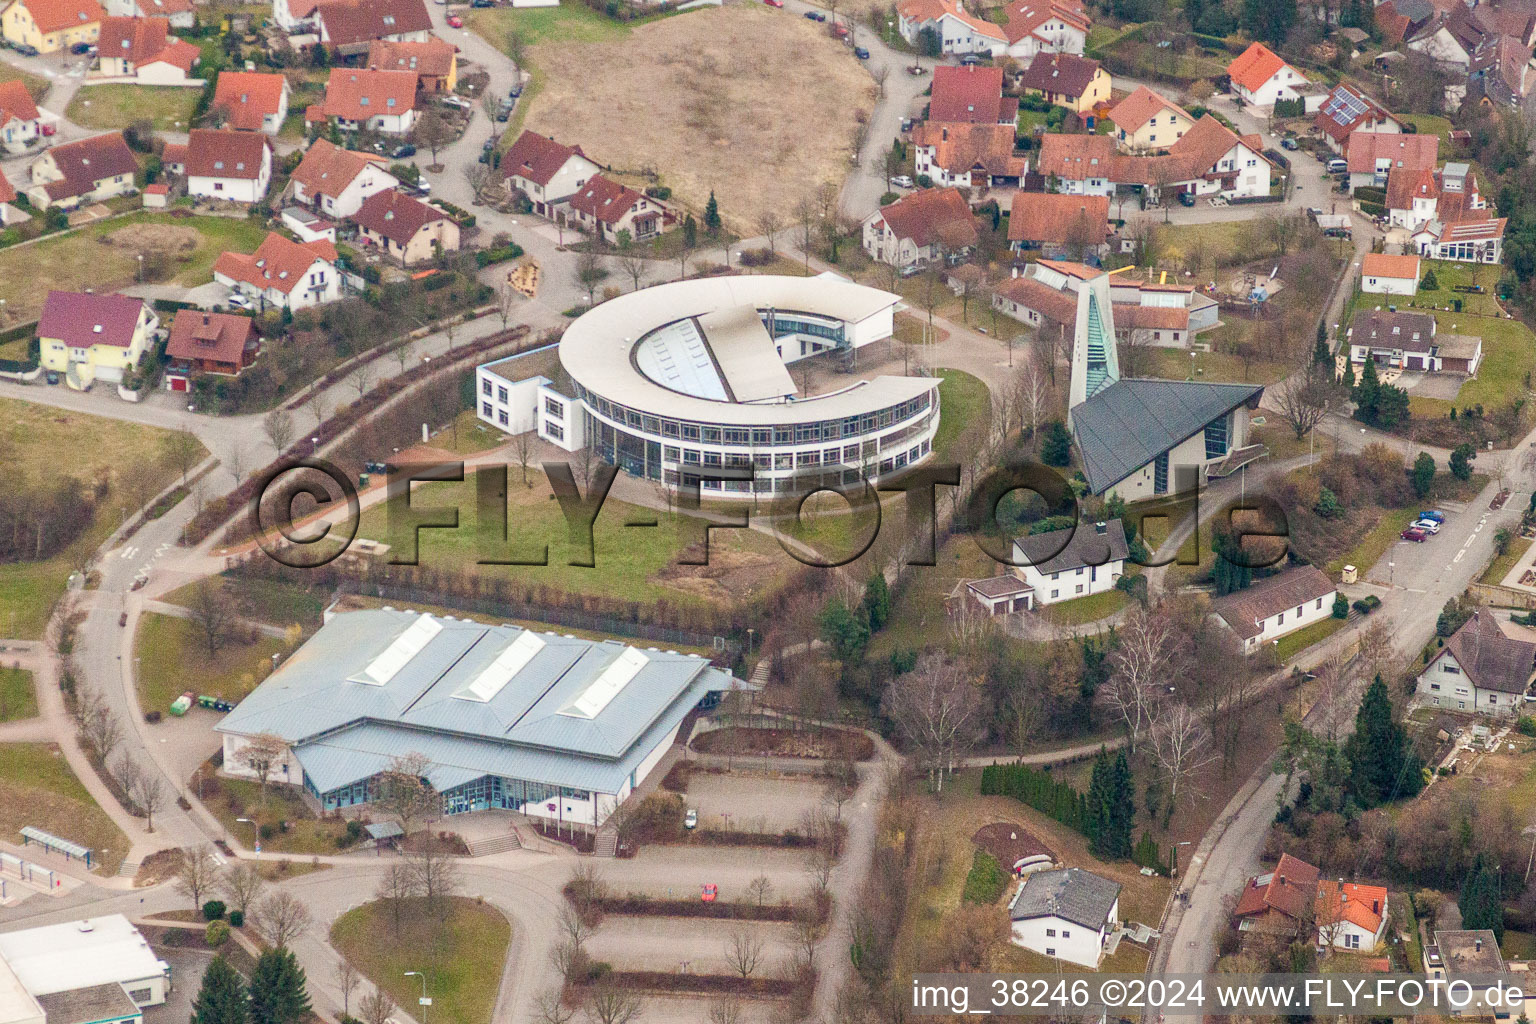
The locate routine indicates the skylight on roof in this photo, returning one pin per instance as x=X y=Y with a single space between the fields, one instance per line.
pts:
x=608 y=685
x=512 y=660
x=398 y=654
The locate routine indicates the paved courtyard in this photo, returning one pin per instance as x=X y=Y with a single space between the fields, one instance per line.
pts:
x=665 y=943
x=755 y=802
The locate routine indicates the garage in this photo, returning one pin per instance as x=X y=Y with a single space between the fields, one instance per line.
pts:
x=175 y=382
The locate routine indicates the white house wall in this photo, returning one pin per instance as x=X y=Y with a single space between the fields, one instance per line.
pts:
x=1292 y=619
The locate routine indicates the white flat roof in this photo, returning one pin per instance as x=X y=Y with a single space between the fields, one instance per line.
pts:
x=16 y=1004
x=746 y=354
x=595 y=350
x=78 y=954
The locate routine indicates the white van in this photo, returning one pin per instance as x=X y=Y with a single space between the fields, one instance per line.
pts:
x=1338 y=165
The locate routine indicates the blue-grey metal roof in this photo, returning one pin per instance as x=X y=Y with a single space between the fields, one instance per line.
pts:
x=1133 y=421
x=343 y=729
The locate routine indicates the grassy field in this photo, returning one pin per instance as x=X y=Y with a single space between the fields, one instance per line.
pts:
x=704 y=118
x=1175 y=364
x=269 y=601
x=461 y=957
x=128 y=455
x=109 y=107
x=963 y=400
x=1086 y=609
x=165 y=648
x=1293 y=644
x=37 y=788
x=18 y=696
x=104 y=256
x=1509 y=347
x=1431 y=124
x=230 y=799
x=1376 y=541
x=37 y=85
x=1500 y=566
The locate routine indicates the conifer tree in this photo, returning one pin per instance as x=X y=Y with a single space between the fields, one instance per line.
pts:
x=277 y=988
x=221 y=999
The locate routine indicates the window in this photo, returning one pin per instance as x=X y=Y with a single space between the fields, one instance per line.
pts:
x=1319 y=602
x=1066 y=933
x=555 y=431
x=1055 y=594
x=485 y=409
x=1299 y=610
x=554 y=408
x=1050 y=933
x=1280 y=619
x=218 y=186
x=1050 y=951
x=501 y=417
x=1450 y=670
x=140 y=995
x=485 y=387
x=1079 y=588
x=501 y=395
x=1434 y=686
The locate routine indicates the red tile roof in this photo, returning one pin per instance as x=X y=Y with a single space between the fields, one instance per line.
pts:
x=1361 y=905
x=81 y=319
x=1410 y=151
x=247 y=96
x=605 y=199
x=56 y=15
x=1141 y=106
x=932 y=10
x=218 y=337
x=1289 y=889
x=1380 y=264
x=1061 y=73
x=1051 y=217
x=537 y=158
x=174 y=153
x=327 y=169
x=220 y=153
x=87 y=161
x=7 y=190
x=16 y=102
x=966 y=93
x=358 y=93
x=180 y=53
x=1078 y=157
x=1392 y=24
x=1404 y=186
x=351 y=22
x=932 y=215
x=433 y=57
x=132 y=39
x=395 y=215
x=278 y=262
x=1024 y=19
x=1343 y=99
x=959 y=148
x=1255 y=66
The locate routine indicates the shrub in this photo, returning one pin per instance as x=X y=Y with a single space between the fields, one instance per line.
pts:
x=500 y=254
x=986 y=880
x=1526 y=726
x=1362 y=608
x=236 y=918
x=267 y=831
x=213 y=910
x=216 y=934
x=1430 y=282
x=1373 y=209
x=1340 y=607
x=889 y=198
x=660 y=192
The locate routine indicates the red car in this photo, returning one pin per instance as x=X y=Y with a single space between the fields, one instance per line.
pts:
x=710 y=892
x=455 y=21
x=774 y=3
x=1415 y=534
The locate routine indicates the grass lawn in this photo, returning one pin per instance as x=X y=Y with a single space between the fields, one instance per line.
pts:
x=1430 y=124
x=1500 y=566
x=962 y=399
x=18 y=697
x=462 y=957
x=230 y=799
x=37 y=85
x=1174 y=364
x=1293 y=644
x=1086 y=609
x=1224 y=243
x=1277 y=435
x=1509 y=347
x=80 y=259
x=109 y=107
x=128 y=455
x=1376 y=541
x=166 y=646
x=37 y=788
x=270 y=601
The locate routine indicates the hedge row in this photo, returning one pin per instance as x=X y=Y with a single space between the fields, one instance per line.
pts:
x=487 y=257
x=18 y=332
x=667 y=981
x=1373 y=209
x=1371 y=194
x=460 y=216
x=1039 y=790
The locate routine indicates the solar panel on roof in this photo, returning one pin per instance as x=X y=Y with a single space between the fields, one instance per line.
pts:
x=400 y=651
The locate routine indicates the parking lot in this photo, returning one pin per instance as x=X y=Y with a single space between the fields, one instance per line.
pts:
x=187 y=967
x=754 y=802
x=695 y=1010
x=666 y=943
x=681 y=871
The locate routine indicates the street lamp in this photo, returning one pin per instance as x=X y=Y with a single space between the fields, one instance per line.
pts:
x=255 y=830
x=425 y=1000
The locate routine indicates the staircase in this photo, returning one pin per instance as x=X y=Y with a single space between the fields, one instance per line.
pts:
x=606 y=843
x=496 y=844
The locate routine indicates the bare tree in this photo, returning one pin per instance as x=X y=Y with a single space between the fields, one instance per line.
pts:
x=805 y=221
x=99 y=725
x=236 y=460
x=522 y=450
x=347 y=979
x=1376 y=645
x=361 y=378
x=725 y=1010
x=319 y=406
x=376 y=1007
x=1333 y=698
x=282 y=917
x=434 y=131
x=551 y=1008
x=1034 y=389
x=404 y=792
x=744 y=952
x=184 y=451
x=478 y=177
x=1135 y=353
x=278 y=427
x=404 y=353
x=261 y=755
x=1138 y=668
x=437 y=877
x=1181 y=746
x=613 y=1004
x=589 y=273
x=938 y=709
x=768 y=223
x=148 y=792
x=213 y=613
x=507 y=299
x=197 y=874
x=396 y=886
x=760 y=890
x=635 y=265
x=242 y=885
x=1281 y=230
x=1304 y=398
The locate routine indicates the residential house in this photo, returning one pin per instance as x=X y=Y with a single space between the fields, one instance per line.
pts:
x=1463 y=954
x=1349 y=915
x=1487 y=666
x=294 y=16
x=967 y=155
x=9 y=214
x=406 y=229
x=1277 y=902
x=1399 y=20
x=434 y=62
x=251 y=101
x=1372 y=156
x=141 y=48
x=20 y=122
x=1068 y=914
x=1077 y=83
x=50 y=25
x=1259 y=78
x=920 y=227
x=203 y=342
x=1409 y=341
x=605 y=208
x=224 y=164
x=1045 y=26
x=83 y=171
x=308 y=225
x=361 y=98
x=1059 y=226
x=1384 y=274
x=1274 y=606
x=1501 y=72
x=282 y=273
x=335 y=181
x=1446 y=216
x=546 y=171
x=171 y=66
x=971 y=94
x=1346 y=111
x=349 y=26
x=1146 y=312
x=1063 y=565
x=955 y=29
x=1457 y=36
x=1208 y=160
x=1146 y=121
x=178 y=13
x=88 y=336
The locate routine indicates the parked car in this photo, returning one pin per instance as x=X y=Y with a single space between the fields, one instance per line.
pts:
x=710 y=892
x=902 y=181
x=516 y=90
x=122 y=620
x=80 y=48
x=53 y=378
x=774 y=3
x=504 y=112
x=423 y=187
x=861 y=52
x=1338 y=165
x=840 y=30
x=970 y=59
x=691 y=819
x=239 y=301
x=815 y=16
x=1289 y=144
x=26 y=50
x=1186 y=199
x=1429 y=526
x=911 y=270
x=401 y=151
x=1414 y=534
x=1433 y=514
x=482 y=3
x=454 y=21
